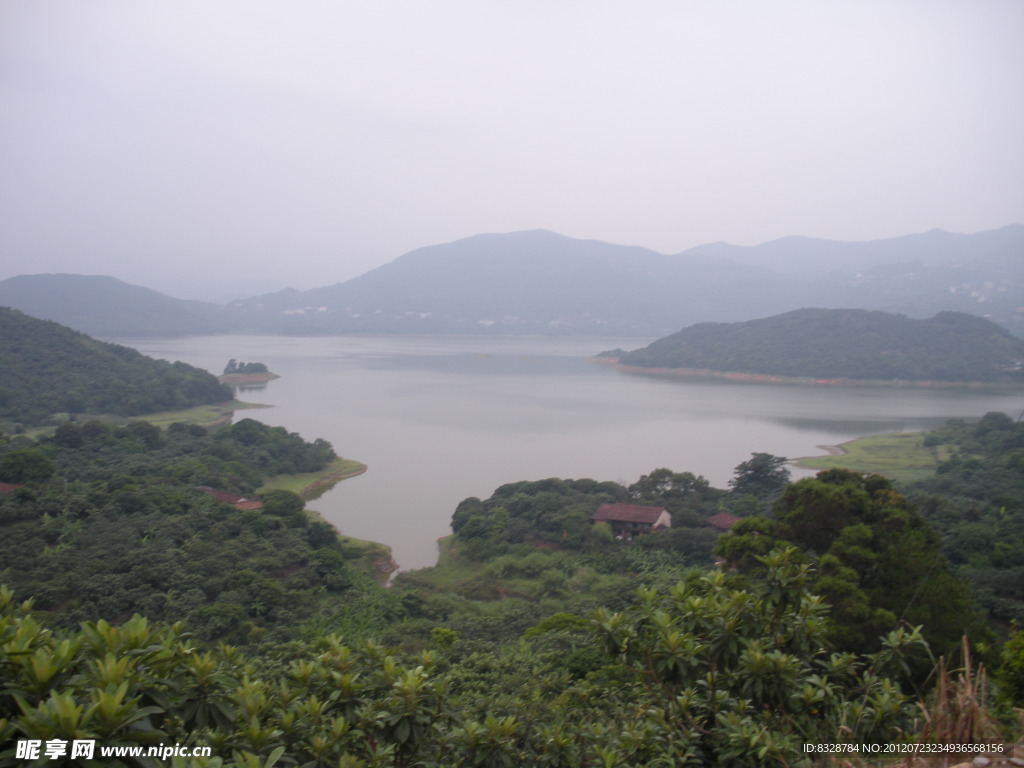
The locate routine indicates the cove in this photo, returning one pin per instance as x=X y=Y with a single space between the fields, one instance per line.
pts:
x=440 y=418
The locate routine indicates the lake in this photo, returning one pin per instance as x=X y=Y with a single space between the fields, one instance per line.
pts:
x=438 y=419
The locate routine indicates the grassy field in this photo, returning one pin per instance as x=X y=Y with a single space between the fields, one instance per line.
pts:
x=901 y=456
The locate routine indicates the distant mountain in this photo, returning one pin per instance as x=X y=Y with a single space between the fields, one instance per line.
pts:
x=105 y=306
x=980 y=274
x=844 y=344
x=523 y=282
x=541 y=282
x=46 y=368
x=998 y=248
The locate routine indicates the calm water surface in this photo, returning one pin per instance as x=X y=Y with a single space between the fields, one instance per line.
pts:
x=438 y=419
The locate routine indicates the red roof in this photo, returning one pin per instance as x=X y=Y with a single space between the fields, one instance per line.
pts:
x=8 y=487
x=628 y=513
x=723 y=521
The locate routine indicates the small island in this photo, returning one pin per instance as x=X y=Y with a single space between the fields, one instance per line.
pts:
x=236 y=372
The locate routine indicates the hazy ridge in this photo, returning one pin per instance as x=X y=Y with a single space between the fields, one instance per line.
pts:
x=539 y=282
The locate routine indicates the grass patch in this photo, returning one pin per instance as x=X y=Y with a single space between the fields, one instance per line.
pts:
x=313 y=485
x=900 y=456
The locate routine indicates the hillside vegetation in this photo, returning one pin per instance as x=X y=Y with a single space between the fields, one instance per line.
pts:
x=113 y=521
x=557 y=645
x=46 y=369
x=852 y=344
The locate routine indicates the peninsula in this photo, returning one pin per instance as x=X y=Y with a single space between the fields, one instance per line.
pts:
x=837 y=347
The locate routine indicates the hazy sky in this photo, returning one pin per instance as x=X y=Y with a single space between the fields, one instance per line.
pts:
x=204 y=147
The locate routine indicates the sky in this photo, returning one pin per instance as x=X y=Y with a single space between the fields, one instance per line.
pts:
x=223 y=148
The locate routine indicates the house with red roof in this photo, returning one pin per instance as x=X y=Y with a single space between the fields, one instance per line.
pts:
x=630 y=520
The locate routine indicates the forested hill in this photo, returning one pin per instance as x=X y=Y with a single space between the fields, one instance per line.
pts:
x=844 y=344
x=46 y=368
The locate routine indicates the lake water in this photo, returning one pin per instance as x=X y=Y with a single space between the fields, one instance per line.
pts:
x=438 y=419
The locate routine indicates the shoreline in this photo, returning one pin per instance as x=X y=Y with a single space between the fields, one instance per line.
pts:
x=326 y=481
x=767 y=378
x=312 y=485
x=900 y=456
x=831 y=450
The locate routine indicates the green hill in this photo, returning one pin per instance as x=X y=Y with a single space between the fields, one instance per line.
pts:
x=46 y=368
x=844 y=344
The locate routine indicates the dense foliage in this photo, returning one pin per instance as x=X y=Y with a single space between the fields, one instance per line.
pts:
x=46 y=369
x=112 y=522
x=236 y=457
x=552 y=658
x=844 y=344
x=555 y=513
x=975 y=501
x=713 y=673
x=877 y=561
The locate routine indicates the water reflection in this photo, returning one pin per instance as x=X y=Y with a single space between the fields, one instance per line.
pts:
x=240 y=389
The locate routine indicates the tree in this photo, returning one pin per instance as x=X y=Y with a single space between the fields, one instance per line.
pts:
x=746 y=671
x=1011 y=671
x=677 y=492
x=763 y=476
x=878 y=562
x=25 y=465
x=286 y=504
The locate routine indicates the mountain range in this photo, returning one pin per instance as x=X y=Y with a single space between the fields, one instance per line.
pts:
x=539 y=282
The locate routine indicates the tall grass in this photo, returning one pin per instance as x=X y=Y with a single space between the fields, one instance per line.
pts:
x=954 y=713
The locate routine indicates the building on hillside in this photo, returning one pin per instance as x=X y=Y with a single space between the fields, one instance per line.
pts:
x=723 y=521
x=236 y=501
x=629 y=520
x=8 y=487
